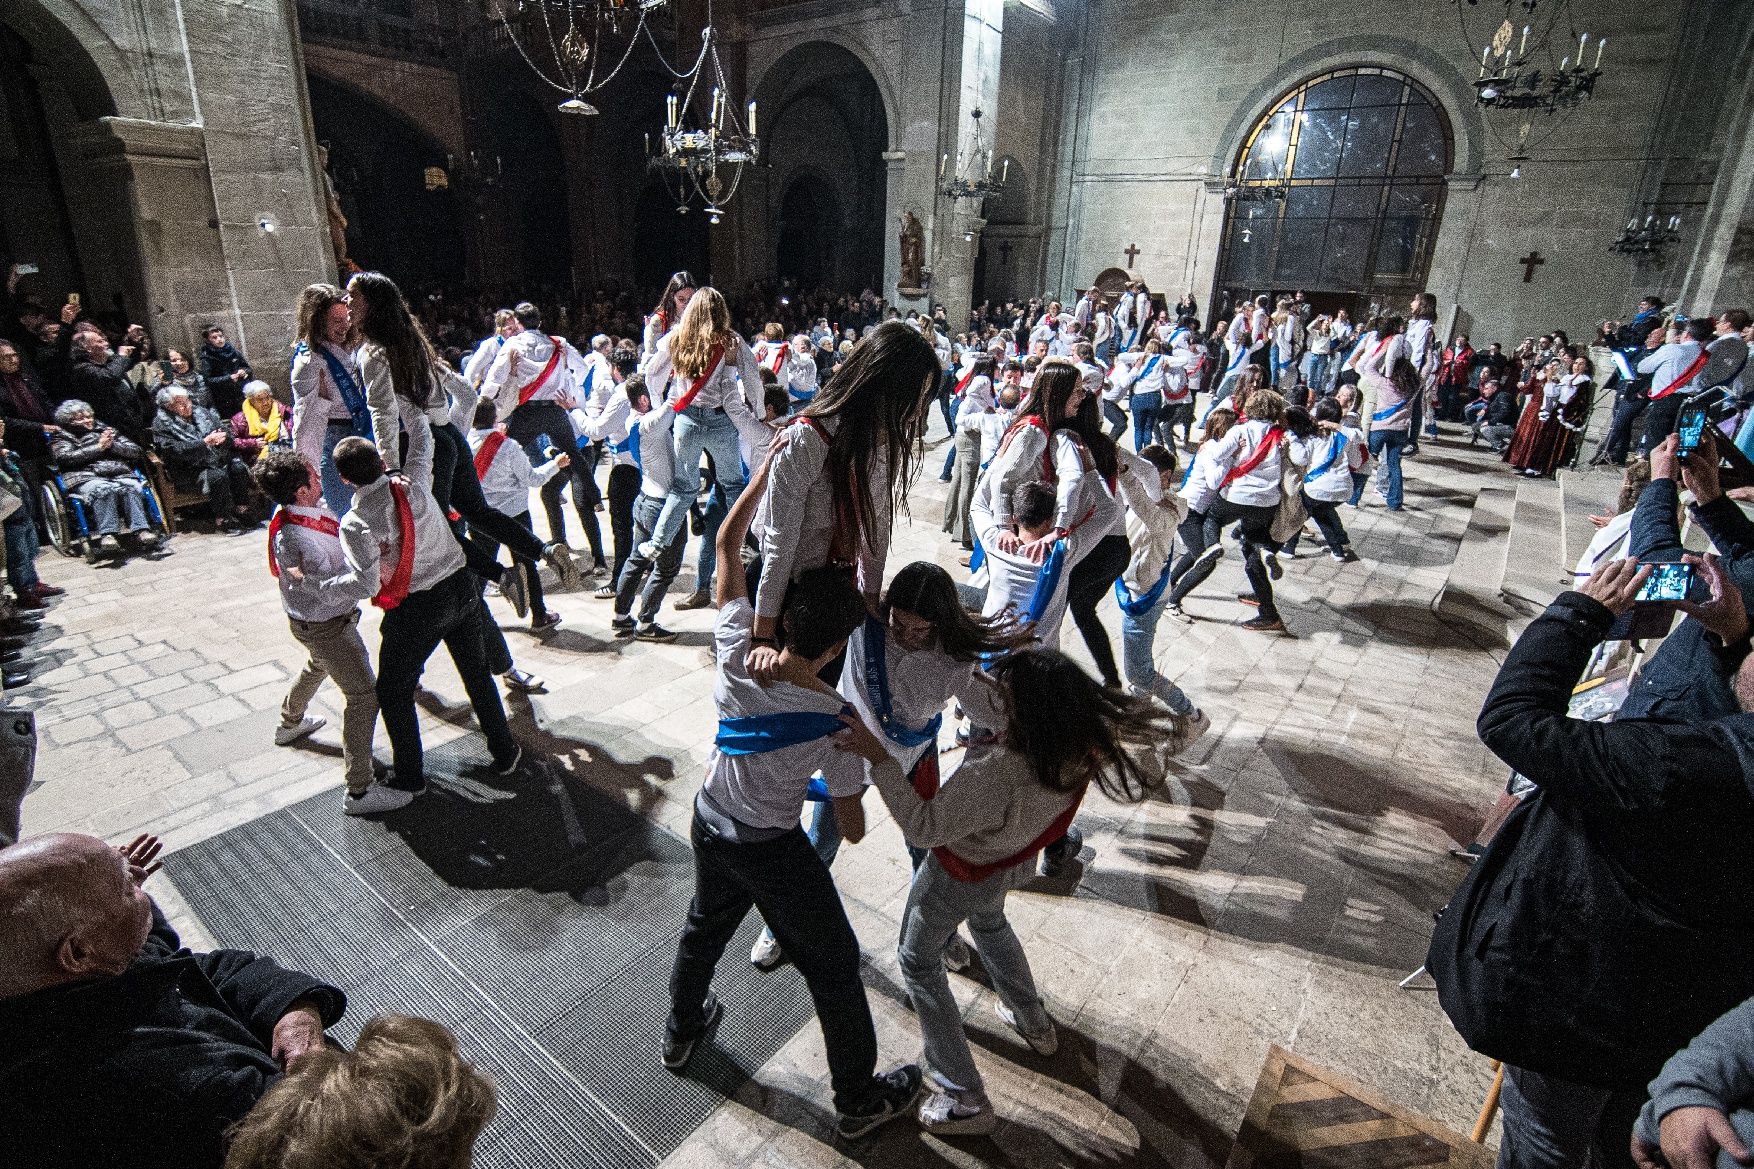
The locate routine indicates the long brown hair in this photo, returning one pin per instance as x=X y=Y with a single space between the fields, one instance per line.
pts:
x=1073 y=731
x=314 y=304
x=387 y=323
x=705 y=325
x=666 y=309
x=926 y=590
x=878 y=399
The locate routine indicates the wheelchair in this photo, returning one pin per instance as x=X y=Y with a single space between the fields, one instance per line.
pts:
x=70 y=528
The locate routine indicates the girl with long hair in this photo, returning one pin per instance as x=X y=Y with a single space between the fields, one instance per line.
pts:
x=1027 y=454
x=1061 y=734
x=668 y=314
x=1426 y=355
x=1331 y=454
x=706 y=374
x=922 y=650
x=405 y=378
x=1390 y=384
x=841 y=470
x=1250 y=459
x=328 y=389
x=1201 y=535
x=1094 y=576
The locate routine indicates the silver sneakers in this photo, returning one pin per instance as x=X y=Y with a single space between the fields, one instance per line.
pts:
x=285 y=736
x=766 y=953
x=559 y=558
x=376 y=800
x=952 y=1114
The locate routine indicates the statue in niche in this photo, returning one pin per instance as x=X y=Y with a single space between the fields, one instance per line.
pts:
x=913 y=255
x=337 y=217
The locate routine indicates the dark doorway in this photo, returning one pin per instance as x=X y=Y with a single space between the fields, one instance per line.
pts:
x=34 y=227
x=521 y=142
x=809 y=232
x=396 y=222
x=666 y=241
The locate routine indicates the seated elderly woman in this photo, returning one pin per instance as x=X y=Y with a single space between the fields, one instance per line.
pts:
x=197 y=451
x=97 y=467
x=261 y=424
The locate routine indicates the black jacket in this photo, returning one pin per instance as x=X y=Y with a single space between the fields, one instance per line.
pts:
x=1501 y=407
x=217 y=367
x=1612 y=917
x=181 y=443
x=149 y=1068
x=112 y=397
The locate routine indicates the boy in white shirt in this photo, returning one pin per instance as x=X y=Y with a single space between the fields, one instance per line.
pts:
x=648 y=433
x=507 y=478
x=1034 y=591
x=749 y=848
x=321 y=598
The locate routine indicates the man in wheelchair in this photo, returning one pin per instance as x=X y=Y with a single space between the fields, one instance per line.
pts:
x=97 y=469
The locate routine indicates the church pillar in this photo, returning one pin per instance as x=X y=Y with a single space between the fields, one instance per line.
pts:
x=894 y=171
x=973 y=102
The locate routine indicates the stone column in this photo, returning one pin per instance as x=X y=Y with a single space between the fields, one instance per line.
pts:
x=894 y=166
x=956 y=239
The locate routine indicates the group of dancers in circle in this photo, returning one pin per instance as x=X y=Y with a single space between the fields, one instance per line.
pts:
x=408 y=477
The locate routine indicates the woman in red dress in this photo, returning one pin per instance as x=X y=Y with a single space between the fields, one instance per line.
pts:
x=1553 y=419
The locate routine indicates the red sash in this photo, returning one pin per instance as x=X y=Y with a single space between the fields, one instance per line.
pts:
x=489 y=451
x=1268 y=442
x=328 y=525
x=925 y=774
x=963 y=384
x=964 y=871
x=529 y=391
x=780 y=359
x=848 y=523
x=395 y=590
x=1687 y=375
x=1047 y=454
x=712 y=367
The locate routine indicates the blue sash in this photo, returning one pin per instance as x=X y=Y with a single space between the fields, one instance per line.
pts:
x=590 y=376
x=1241 y=355
x=351 y=395
x=877 y=687
x=800 y=395
x=1145 y=370
x=1333 y=454
x=1145 y=603
x=1047 y=580
x=978 y=557
x=1389 y=412
x=757 y=734
x=629 y=445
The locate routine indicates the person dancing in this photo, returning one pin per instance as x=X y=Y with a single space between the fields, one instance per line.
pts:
x=328 y=390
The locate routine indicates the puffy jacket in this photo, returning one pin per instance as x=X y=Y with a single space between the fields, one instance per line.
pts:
x=80 y=457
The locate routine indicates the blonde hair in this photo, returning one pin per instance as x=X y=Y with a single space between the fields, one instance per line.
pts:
x=705 y=325
x=403 y=1098
x=1265 y=405
x=774 y=331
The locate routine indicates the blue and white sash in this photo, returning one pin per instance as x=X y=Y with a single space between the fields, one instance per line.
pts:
x=1047 y=580
x=629 y=446
x=877 y=687
x=757 y=734
x=1338 y=446
x=1144 y=605
x=351 y=395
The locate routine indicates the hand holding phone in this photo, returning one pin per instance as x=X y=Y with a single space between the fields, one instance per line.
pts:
x=1667 y=583
x=1691 y=429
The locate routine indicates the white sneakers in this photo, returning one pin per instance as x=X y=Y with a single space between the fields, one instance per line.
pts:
x=957 y=1114
x=286 y=736
x=376 y=800
x=766 y=953
x=956 y=955
x=1043 y=1043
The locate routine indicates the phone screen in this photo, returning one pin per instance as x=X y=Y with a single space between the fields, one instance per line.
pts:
x=1691 y=428
x=1667 y=582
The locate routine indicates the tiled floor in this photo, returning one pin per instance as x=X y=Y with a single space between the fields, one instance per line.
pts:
x=1275 y=892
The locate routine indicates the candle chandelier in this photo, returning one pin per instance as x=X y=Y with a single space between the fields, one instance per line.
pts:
x=562 y=41
x=977 y=182
x=703 y=157
x=1519 y=74
x=1647 y=240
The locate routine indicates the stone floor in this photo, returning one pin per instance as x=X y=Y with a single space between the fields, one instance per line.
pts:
x=1275 y=892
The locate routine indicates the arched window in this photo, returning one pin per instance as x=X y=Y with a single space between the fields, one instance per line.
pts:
x=1339 y=189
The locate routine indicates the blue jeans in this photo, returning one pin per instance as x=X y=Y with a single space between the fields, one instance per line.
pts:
x=698 y=429
x=706 y=556
x=21 y=550
x=1550 y=1123
x=336 y=493
x=1115 y=417
x=1385 y=446
x=104 y=498
x=950 y=455
x=1145 y=408
x=1315 y=371
x=1138 y=635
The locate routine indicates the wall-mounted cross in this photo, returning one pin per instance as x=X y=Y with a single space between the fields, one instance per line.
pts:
x=1005 y=252
x=1529 y=263
x=1132 y=253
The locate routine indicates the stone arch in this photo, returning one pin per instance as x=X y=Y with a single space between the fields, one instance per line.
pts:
x=809 y=56
x=96 y=72
x=1454 y=94
x=807 y=230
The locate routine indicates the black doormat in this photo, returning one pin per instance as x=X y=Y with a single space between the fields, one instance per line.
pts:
x=534 y=917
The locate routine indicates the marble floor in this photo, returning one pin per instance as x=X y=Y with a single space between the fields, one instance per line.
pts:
x=1275 y=892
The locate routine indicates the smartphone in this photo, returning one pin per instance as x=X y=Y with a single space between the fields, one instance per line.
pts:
x=73 y=299
x=1667 y=582
x=1691 y=428
x=27 y=269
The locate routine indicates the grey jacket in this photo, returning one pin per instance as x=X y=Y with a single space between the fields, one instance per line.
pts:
x=1716 y=1071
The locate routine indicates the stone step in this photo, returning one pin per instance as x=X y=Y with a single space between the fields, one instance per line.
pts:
x=1473 y=592
x=1535 y=569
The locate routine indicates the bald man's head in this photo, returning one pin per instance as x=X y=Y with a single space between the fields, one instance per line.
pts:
x=69 y=911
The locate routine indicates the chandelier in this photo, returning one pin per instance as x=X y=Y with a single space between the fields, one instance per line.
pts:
x=1522 y=78
x=562 y=40
x=978 y=181
x=1647 y=239
x=704 y=157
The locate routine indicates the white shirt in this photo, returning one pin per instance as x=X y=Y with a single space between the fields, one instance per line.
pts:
x=600 y=374
x=452 y=402
x=323 y=588
x=977 y=396
x=1201 y=486
x=1011 y=580
x=316 y=399
x=1667 y=365
x=1422 y=348
x=797 y=375
x=510 y=478
x=1334 y=484
x=371 y=533
x=767 y=790
x=477 y=364
x=519 y=365
x=1150 y=525
x=993 y=427
x=796 y=521
x=735 y=385
x=1260 y=486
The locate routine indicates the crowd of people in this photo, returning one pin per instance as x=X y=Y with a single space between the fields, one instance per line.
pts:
x=786 y=437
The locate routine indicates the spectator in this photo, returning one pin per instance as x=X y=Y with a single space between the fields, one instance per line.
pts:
x=98 y=375
x=1612 y=917
x=1701 y=1101
x=21 y=535
x=197 y=451
x=182 y=372
x=1495 y=417
x=224 y=369
x=25 y=408
x=98 y=468
x=403 y=1096
x=149 y=372
x=260 y=425
x=124 y=1048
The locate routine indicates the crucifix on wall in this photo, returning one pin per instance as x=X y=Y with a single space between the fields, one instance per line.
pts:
x=1530 y=262
x=1132 y=253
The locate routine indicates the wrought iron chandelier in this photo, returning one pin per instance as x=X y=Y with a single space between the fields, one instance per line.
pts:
x=562 y=41
x=1518 y=75
x=703 y=157
x=977 y=182
x=1647 y=239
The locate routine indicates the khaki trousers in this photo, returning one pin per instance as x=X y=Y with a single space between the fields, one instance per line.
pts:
x=338 y=652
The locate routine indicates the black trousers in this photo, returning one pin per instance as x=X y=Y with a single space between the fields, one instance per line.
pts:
x=1092 y=579
x=1659 y=423
x=449 y=612
x=1327 y=520
x=1198 y=532
x=1257 y=537
x=1618 y=444
x=491 y=546
x=787 y=881
x=623 y=490
x=225 y=485
x=541 y=424
x=456 y=487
